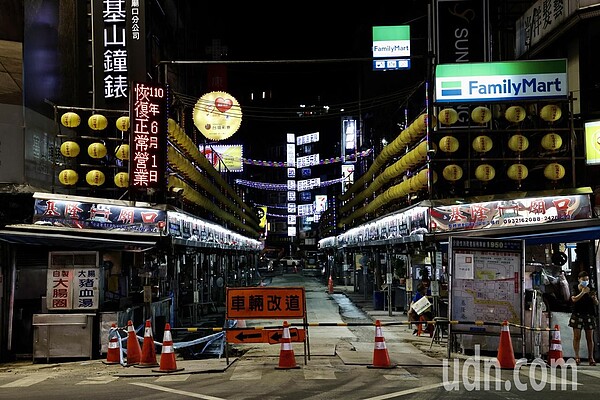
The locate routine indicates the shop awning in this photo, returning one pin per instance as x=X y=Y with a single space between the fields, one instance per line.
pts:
x=60 y=237
x=553 y=232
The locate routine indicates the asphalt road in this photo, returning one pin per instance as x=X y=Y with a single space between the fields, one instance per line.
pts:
x=337 y=363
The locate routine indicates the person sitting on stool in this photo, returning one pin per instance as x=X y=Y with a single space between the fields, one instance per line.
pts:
x=422 y=291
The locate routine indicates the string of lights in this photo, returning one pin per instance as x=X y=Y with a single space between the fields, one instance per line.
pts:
x=324 y=161
x=280 y=186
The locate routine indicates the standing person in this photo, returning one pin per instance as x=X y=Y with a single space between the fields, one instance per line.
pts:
x=583 y=317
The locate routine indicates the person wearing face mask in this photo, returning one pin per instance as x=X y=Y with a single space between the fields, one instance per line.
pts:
x=583 y=317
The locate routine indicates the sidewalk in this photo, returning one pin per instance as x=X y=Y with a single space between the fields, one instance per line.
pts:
x=402 y=330
x=367 y=306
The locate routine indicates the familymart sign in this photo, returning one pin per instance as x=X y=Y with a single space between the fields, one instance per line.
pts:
x=500 y=81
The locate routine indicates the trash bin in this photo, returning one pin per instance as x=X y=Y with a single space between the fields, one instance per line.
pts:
x=378 y=300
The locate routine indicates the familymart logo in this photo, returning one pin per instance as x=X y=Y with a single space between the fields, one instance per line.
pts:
x=478 y=374
x=540 y=79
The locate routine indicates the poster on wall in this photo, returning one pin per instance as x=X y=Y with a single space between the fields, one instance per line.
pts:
x=73 y=281
x=487 y=278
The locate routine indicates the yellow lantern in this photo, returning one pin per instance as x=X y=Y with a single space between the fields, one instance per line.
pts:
x=481 y=115
x=550 y=113
x=518 y=143
x=448 y=116
x=515 y=114
x=517 y=172
x=95 y=178
x=122 y=152
x=97 y=122
x=554 y=171
x=551 y=141
x=172 y=126
x=70 y=120
x=122 y=179
x=68 y=177
x=452 y=172
x=69 y=149
x=123 y=123
x=448 y=144
x=97 y=150
x=482 y=144
x=485 y=172
x=420 y=124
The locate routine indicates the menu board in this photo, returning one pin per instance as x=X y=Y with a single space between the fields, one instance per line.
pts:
x=486 y=282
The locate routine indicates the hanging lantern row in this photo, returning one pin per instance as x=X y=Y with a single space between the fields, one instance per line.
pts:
x=96 y=122
x=413 y=184
x=515 y=114
x=517 y=172
x=517 y=143
x=97 y=150
x=69 y=177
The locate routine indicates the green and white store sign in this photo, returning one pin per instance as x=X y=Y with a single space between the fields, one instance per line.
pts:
x=501 y=81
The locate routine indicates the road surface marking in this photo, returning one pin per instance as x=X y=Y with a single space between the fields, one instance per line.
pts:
x=405 y=392
x=175 y=391
x=98 y=380
x=173 y=378
x=27 y=381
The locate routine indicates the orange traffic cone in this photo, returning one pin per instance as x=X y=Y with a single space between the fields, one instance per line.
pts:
x=330 y=285
x=113 y=355
x=381 y=358
x=148 y=358
x=506 y=354
x=134 y=350
x=555 y=354
x=287 y=360
x=167 y=355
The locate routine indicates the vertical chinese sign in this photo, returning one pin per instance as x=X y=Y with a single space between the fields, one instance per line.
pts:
x=73 y=285
x=119 y=49
x=148 y=136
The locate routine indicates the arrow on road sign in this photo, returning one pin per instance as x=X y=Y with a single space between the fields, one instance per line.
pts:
x=276 y=335
x=246 y=336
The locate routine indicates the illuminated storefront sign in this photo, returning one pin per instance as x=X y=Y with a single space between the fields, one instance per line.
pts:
x=119 y=47
x=148 y=136
x=592 y=142
x=499 y=81
x=349 y=138
x=347 y=176
x=517 y=212
x=225 y=157
x=391 y=41
x=217 y=115
x=87 y=215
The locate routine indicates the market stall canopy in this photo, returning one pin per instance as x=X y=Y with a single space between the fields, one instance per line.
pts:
x=556 y=232
x=52 y=236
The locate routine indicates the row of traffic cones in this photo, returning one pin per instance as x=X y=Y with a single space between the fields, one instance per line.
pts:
x=381 y=358
x=506 y=355
x=142 y=356
x=145 y=356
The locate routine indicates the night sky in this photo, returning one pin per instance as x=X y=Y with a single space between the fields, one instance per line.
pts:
x=336 y=67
